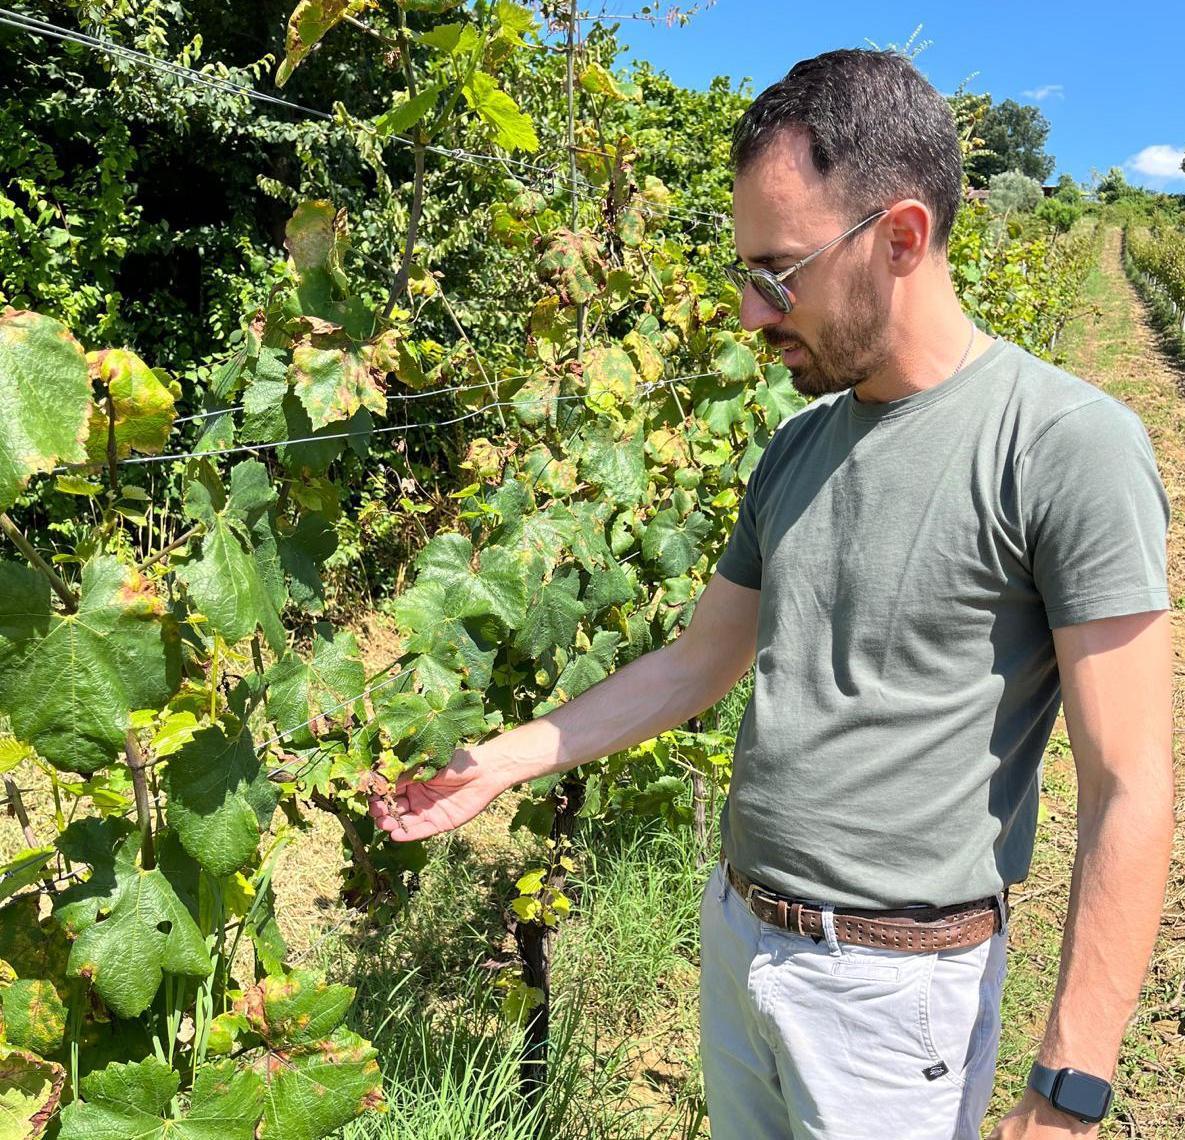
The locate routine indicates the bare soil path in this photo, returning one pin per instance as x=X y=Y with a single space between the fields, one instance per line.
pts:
x=1115 y=347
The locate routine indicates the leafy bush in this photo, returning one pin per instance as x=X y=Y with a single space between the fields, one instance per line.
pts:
x=1013 y=192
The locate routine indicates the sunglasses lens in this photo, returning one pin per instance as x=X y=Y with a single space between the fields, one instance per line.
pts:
x=772 y=294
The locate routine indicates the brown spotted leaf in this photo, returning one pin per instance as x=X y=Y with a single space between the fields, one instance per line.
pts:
x=310 y=20
x=69 y=682
x=295 y=1009
x=143 y=402
x=333 y=383
x=30 y=1089
x=318 y=1088
x=34 y=1016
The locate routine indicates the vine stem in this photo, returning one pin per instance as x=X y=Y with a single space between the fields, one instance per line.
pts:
x=417 y=193
x=167 y=550
x=581 y=310
x=143 y=809
x=352 y=836
x=26 y=548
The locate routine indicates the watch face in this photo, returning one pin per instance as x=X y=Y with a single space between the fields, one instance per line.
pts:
x=1081 y=1095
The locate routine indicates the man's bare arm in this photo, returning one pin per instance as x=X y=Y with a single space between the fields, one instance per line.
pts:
x=1116 y=676
x=657 y=691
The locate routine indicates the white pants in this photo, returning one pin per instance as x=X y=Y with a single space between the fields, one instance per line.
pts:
x=806 y=1040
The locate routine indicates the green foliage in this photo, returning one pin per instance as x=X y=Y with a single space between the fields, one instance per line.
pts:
x=1013 y=192
x=1010 y=136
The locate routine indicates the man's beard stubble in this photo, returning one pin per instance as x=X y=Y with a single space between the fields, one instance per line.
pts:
x=846 y=351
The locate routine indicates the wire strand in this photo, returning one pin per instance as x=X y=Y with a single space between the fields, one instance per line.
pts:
x=36 y=26
x=138 y=460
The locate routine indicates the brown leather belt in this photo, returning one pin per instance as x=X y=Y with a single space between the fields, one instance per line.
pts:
x=917 y=929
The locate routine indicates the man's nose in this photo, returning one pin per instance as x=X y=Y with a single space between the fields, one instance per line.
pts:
x=758 y=313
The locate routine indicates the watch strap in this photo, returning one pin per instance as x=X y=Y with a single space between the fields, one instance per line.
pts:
x=1041 y=1079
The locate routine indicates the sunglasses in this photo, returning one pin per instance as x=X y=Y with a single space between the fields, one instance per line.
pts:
x=769 y=284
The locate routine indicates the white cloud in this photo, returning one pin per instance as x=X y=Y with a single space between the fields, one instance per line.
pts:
x=1160 y=161
x=1045 y=92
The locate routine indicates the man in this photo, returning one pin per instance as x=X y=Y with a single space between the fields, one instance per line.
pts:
x=952 y=538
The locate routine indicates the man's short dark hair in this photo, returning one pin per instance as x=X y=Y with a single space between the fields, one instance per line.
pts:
x=878 y=130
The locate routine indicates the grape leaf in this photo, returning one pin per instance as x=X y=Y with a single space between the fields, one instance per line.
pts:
x=132 y=1100
x=235 y=580
x=144 y=406
x=147 y=932
x=610 y=376
x=616 y=467
x=69 y=682
x=30 y=1089
x=406 y=114
x=299 y=690
x=334 y=383
x=315 y=1090
x=45 y=399
x=674 y=546
x=294 y=1009
x=310 y=20
x=512 y=129
x=427 y=728
x=219 y=799
x=553 y=616
x=23 y=869
x=34 y=1016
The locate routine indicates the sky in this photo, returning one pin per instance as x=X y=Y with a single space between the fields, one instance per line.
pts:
x=1110 y=78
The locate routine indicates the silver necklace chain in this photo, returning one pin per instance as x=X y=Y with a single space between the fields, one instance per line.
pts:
x=967 y=350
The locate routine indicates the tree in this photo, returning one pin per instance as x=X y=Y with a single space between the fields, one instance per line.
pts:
x=1014 y=138
x=1013 y=192
x=1068 y=190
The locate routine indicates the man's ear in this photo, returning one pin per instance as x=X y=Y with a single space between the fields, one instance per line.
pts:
x=909 y=225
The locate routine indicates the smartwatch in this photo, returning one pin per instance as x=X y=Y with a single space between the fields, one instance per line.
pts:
x=1081 y=1095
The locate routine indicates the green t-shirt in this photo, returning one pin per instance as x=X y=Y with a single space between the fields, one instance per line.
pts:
x=912 y=558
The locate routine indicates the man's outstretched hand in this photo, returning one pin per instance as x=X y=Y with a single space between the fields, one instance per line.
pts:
x=416 y=809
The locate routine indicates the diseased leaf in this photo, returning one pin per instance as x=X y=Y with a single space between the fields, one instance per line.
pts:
x=30 y=1090
x=24 y=869
x=219 y=799
x=610 y=376
x=616 y=467
x=315 y=1090
x=553 y=616
x=235 y=579
x=34 y=1016
x=45 y=399
x=144 y=406
x=334 y=383
x=672 y=545
x=310 y=20
x=294 y=1009
x=428 y=728
x=119 y=652
x=126 y=1101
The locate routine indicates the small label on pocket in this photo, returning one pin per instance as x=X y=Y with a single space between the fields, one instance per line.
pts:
x=934 y=1071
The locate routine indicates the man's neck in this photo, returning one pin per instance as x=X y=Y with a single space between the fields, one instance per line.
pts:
x=923 y=353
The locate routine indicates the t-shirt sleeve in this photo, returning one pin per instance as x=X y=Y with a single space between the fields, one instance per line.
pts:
x=1095 y=515
x=741 y=561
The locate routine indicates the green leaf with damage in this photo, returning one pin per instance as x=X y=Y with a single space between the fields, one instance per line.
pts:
x=34 y=1015
x=45 y=399
x=317 y=1089
x=143 y=401
x=300 y=690
x=69 y=682
x=298 y=1008
x=134 y=1100
x=30 y=1089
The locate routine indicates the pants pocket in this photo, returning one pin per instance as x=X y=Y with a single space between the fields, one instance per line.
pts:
x=959 y=1009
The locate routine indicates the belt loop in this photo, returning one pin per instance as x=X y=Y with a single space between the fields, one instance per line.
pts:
x=829 y=930
x=724 y=869
x=1002 y=905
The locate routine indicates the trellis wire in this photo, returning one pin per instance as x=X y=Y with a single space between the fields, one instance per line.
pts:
x=38 y=27
x=645 y=390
